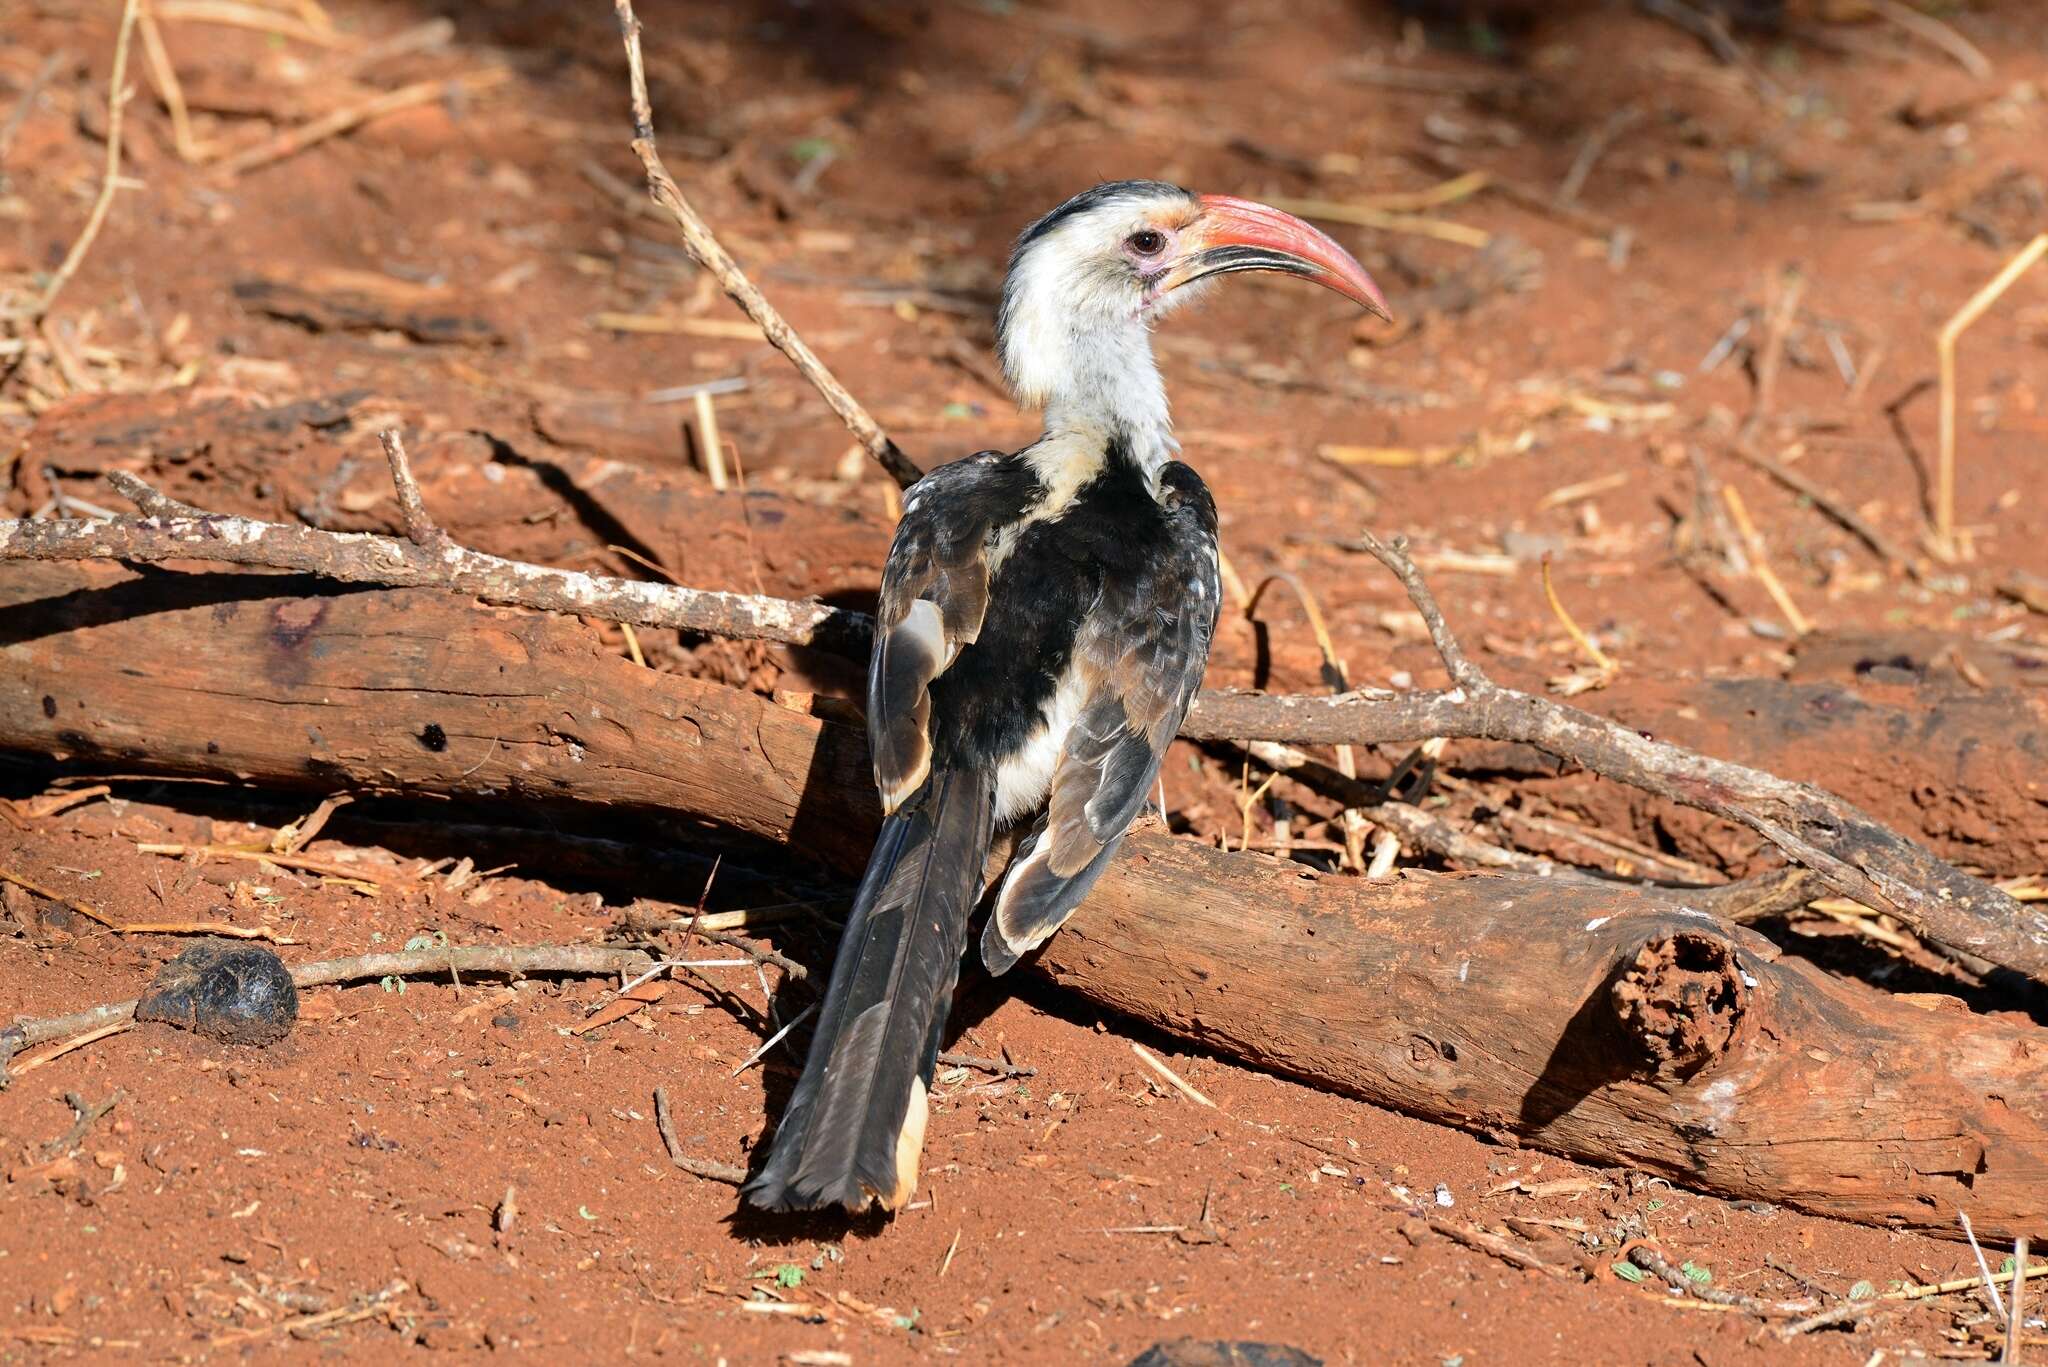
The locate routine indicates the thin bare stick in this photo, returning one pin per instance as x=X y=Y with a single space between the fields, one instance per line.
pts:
x=419 y=526
x=1495 y=1246
x=365 y=1306
x=170 y=90
x=26 y=105
x=1158 y=1065
x=1945 y=347
x=794 y=1021
x=710 y=446
x=363 y=558
x=1850 y=520
x=2017 y=1321
x=233 y=14
x=1989 y=1279
x=1833 y=1315
x=665 y=1125
x=1595 y=147
x=150 y=501
x=1801 y=625
x=1412 y=824
x=1935 y=33
x=513 y=960
x=117 y=103
x=1361 y=216
x=1650 y=1260
x=1395 y=557
x=986 y=1065
x=293 y=141
x=709 y=253
x=1602 y=661
x=29 y=1065
x=1525 y=196
x=1990 y=1286
x=10 y=876
x=1788 y=290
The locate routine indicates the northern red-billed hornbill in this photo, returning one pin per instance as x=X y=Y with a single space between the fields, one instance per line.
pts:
x=1045 y=617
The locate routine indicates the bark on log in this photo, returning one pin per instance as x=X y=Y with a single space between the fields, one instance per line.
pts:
x=1603 y=1023
x=1613 y=1026
x=278 y=680
x=1972 y=920
x=1965 y=770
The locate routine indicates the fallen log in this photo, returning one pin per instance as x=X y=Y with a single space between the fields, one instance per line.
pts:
x=1964 y=770
x=1974 y=922
x=1604 y=1023
x=1613 y=1026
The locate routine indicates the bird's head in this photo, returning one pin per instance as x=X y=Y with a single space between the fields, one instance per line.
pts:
x=1110 y=261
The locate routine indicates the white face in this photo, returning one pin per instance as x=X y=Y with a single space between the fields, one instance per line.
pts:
x=1089 y=280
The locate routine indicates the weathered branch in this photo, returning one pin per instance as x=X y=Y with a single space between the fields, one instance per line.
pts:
x=364 y=558
x=1854 y=852
x=1611 y=1026
x=709 y=253
x=1602 y=1020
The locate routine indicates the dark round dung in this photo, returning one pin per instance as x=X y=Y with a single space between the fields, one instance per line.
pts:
x=242 y=994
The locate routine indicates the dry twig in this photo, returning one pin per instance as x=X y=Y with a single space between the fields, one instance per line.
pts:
x=1853 y=852
x=1935 y=33
x=26 y=105
x=515 y=960
x=293 y=141
x=705 y=247
x=1945 y=348
x=362 y=558
x=1738 y=510
x=1848 y=518
x=665 y=1125
x=1180 y=1084
x=110 y=180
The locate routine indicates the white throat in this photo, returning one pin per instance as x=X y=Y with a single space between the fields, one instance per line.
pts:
x=1110 y=389
x=1075 y=345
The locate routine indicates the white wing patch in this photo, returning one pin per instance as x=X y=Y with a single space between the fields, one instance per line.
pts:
x=1024 y=779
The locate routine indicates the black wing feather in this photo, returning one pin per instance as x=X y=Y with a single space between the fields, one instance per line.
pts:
x=1142 y=653
x=934 y=598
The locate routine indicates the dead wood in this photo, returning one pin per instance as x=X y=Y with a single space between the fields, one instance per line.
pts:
x=512 y=960
x=1617 y=1027
x=1812 y=827
x=1855 y=853
x=362 y=558
x=709 y=253
x=1600 y=1021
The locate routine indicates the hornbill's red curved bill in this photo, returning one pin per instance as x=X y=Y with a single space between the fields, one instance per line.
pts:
x=1045 y=617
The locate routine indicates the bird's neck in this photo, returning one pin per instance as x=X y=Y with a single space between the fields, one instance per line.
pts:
x=1105 y=401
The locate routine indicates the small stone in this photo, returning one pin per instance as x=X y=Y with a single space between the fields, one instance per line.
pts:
x=237 y=993
x=1222 y=1353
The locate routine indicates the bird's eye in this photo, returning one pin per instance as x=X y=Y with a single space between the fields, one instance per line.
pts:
x=1146 y=242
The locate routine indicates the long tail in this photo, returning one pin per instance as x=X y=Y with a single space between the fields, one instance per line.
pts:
x=854 y=1127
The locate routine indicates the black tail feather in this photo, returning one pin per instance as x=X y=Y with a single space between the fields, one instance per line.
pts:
x=854 y=1126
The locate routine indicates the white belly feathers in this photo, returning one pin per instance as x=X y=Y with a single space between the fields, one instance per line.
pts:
x=1023 y=780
